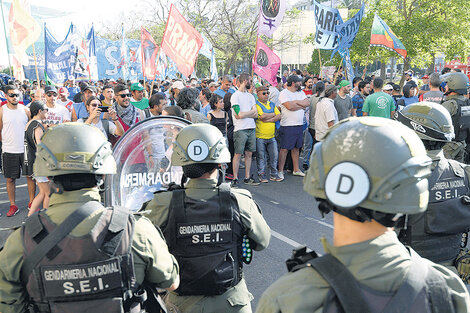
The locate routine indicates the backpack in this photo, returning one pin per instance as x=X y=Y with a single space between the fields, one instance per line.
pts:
x=422 y=291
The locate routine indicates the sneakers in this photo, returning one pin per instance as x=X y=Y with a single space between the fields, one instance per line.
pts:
x=281 y=175
x=250 y=181
x=276 y=178
x=262 y=178
x=29 y=205
x=13 y=210
x=228 y=176
x=235 y=183
x=299 y=173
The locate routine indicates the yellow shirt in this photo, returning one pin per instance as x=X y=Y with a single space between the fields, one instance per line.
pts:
x=265 y=130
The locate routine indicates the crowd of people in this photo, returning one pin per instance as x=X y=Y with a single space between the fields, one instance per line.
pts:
x=275 y=125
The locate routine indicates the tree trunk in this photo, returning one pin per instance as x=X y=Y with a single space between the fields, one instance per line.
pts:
x=392 y=69
x=406 y=67
x=383 y=68
x=432 y=64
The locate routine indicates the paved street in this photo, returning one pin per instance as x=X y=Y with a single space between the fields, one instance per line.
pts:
x=290 y=212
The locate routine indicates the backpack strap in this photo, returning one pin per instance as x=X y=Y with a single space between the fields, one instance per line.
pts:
x=342 y=281
x=56 y=236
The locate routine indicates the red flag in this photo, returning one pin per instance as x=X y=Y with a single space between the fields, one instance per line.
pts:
x=266 y=62
x=181 y=42
x=149 y=54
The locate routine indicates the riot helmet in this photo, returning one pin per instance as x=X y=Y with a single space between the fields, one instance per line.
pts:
x=430 y=121
x=200 y=143
x=371 y=165
x=74 y=148
x=456 y=81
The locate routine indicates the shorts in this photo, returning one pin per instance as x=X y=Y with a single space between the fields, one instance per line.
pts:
x=41 y=179
x=12 y=164
x=244 y=140
x=291 y=137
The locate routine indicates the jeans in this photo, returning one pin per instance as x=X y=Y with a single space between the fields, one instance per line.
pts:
x=266 y=148
x=307 y=147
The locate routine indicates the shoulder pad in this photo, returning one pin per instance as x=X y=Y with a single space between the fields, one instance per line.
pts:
x=457 y=167
x=300 y=257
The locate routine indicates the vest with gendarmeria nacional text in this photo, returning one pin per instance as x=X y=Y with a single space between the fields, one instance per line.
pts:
x=206 y=239
x=91 y=273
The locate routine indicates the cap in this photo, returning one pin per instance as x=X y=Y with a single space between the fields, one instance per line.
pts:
x=330 y=89
x=178 y=85
x=213 y=84
x=396 y=87
x=425 y=77
x=137 y=86
x=50 y=89
x=63 y=91
x=91 y=88
x=261 y=88
x=410 y=73
x=388 y=87
x=294 y=79
x=343 y=83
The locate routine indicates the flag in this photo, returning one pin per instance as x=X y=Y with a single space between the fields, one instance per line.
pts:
x=181 y=42
x=149 y=54
x=382 y=36
x=123 y=62
x=271 y=13
x=24 y=30
x=266 y=62
x=347 y=31
x=162 y=65
x=326 y=19
x=214 y=74
x=92 y=54
x=207 y=50
x=82 y=62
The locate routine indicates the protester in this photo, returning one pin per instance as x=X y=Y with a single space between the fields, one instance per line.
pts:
x=355 y=89
x=57 y=113
x=409 y=96
x=213 y=86
x=319 y=93
x=187 y=101
x=13 y=119
x=379 y=103
x=32 y=137
x=175 y=89
x=127 y=114
x=308 y=85
x=225 y=86
x=293 y=104
x=434 y=94
x=266 y=144
x=244 y=135
x=204 y=97
x=325 y=113
x=65 y=101
x=343 y=102
x=217 y=116
x=425 y=88
x=363 y=89
x=138 y=100
x=172 y=110
x=396 y=93
x=108 y=93
x=156 y=104
x=79 y=108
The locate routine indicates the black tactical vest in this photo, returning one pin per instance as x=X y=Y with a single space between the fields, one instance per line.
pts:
x=206 y=239
x=92 y=273
x=461 y=119
x=436 y=234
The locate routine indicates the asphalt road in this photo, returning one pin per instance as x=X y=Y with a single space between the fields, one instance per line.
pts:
x=290 y=212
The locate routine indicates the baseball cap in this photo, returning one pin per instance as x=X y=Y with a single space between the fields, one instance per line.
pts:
x=261 y=88
x=425 y=77
x=213 y=84
x=137 y=86
x=409 y=73
x=63 y=91
x=178 y=85
x=396 y=87
x=91 y=88
x=50 y=89
x=343 y=83
x=388 y=87
x=330 y=89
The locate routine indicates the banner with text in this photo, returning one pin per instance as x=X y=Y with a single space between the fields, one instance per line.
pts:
x=348 y=31
x=326 y=19
x=181 y=42
x=108 y=55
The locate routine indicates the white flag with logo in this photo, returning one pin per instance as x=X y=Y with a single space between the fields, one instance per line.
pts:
x=271 y=13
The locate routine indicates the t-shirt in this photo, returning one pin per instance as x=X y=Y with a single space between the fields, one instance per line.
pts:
x=246 y=101
x=425 y=87
x=433 y=96
x=343 y=106
x=379 y=104
x=57 y=115
x=308 y=92
x=265 y=130
x=103 y=103
x=288 y=117
x=67 y=103
x=205 y=110
x=324 y=113
x=99 y=125
x=358 y=102
x=274 y=96
x=142 y=104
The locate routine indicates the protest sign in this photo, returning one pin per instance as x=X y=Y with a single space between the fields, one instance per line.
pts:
x=326 y=19
x=181 y=42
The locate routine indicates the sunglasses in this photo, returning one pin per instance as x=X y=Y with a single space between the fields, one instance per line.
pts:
x=12 y=95
x=94 y=105
x=265 y=93
x=51 y=94
x=125 y=95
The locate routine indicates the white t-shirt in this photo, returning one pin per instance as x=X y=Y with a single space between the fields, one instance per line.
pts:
x=14 y=123
x=325 y=112
x=68 y=104
x=274 y=96
x=246 y=101
x=291 y=118
x=99 y=125
x=57 y=115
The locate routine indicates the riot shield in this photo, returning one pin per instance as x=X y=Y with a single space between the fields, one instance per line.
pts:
x=143 y=157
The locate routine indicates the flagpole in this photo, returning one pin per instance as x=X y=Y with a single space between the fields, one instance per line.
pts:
x=35 y=62
x=367 y=62
x=319 y=58
x=6 y=40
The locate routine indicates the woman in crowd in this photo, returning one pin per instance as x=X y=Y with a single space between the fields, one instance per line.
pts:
x=217 y=116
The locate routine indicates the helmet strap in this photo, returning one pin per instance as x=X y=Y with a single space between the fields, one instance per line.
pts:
x=221 y=169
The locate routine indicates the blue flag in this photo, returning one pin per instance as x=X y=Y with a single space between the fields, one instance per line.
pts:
x=108 y=55
x=60 y=56
x=347 y=31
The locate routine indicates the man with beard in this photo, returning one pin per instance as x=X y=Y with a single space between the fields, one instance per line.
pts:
x=13 y=120
x=359 y=98
x=56 y=114
x=127 y=114
x=308 y=83
x=293 y=105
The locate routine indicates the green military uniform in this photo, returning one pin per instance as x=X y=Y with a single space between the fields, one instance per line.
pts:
x=237 y=298
x=454 y=150
x=152 y=261
x=380 y=263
